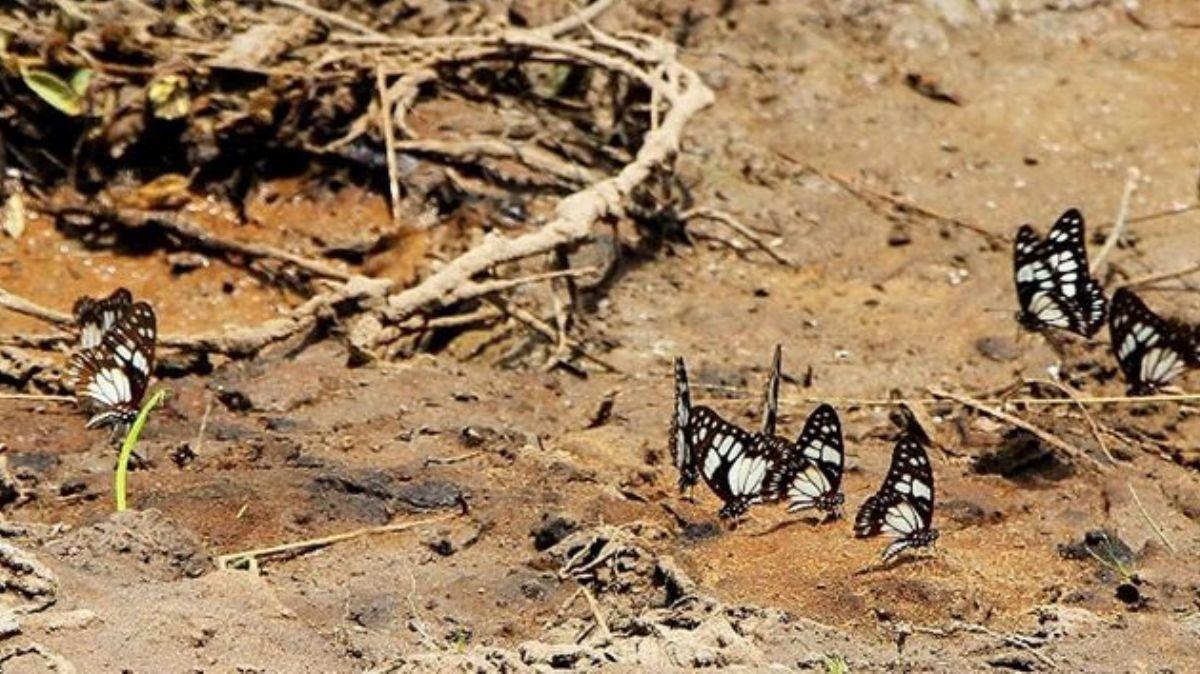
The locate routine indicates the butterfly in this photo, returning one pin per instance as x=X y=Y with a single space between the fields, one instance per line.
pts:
x=111 y=377
x=813 y=465
x=736 y=464
x=1054 y=287
x=1151 y=350
x=903 y=506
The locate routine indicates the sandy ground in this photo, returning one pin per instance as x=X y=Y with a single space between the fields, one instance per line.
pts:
x=1049 y=109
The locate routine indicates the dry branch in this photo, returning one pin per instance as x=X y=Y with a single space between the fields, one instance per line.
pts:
x=576 y=214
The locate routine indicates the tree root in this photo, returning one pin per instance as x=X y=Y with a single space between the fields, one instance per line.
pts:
x=403 y=67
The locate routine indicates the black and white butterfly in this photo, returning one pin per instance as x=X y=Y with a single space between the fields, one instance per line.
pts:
x=736 y=464
x=813 y=465
x=903 y=506
x=1151 y=350
x=1054 y=286
x=111 y=377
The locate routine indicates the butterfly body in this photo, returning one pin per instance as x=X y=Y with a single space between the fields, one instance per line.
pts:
x=903 y=506
x=1151 y=350
x=1054 y=286
x=111 y=375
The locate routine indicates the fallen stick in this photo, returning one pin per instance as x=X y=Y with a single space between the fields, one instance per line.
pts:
x=253 y=556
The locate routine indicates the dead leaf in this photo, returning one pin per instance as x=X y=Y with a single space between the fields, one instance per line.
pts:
x=14 y=214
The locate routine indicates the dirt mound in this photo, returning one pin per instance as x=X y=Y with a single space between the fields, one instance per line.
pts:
x=144 y=543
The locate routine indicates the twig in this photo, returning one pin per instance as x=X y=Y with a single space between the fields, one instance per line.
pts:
x=438 y=461
x=23 y=306
x=1021 y=641
x=1045 y=436
x=37 y=397
x=389 y=141
x=548 y=332
x=473 y=149
x=1006 y=402
x=582 y=17
x=1131 y=180
x=208 y=401
x=1161 y=276
x=330 y=18
x=236 y=558
x=600 y=621
x=476 y=289
x=34 y=341
x=867 y=194
x=1153 y=525
x=1074 y=396
x=1165 y=213
x=732 y=223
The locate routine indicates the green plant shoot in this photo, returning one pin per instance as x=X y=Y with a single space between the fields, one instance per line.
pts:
x=130 y=442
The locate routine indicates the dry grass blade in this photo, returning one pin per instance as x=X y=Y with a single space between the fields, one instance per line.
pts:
x=732 y=223
x=870 y=196
x=254 y=556
x=1092 y=423
x=1161 y=276
x=1118 y=229
x=1153 y=525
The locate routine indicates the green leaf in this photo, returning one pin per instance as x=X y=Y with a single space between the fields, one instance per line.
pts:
x=80 y=79
x=169 y=97
x=50 y=88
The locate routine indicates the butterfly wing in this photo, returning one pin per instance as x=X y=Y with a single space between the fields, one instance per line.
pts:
x=734 y=463
x=95 y=317
x=113 y=376
x=1150 y=349
x=680 y=442
x=815 y=463
x=771 y=394
x=903 y=506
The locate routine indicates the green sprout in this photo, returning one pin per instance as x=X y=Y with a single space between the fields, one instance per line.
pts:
x=836 y=664
x=1112 y=560
x=130 y=442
